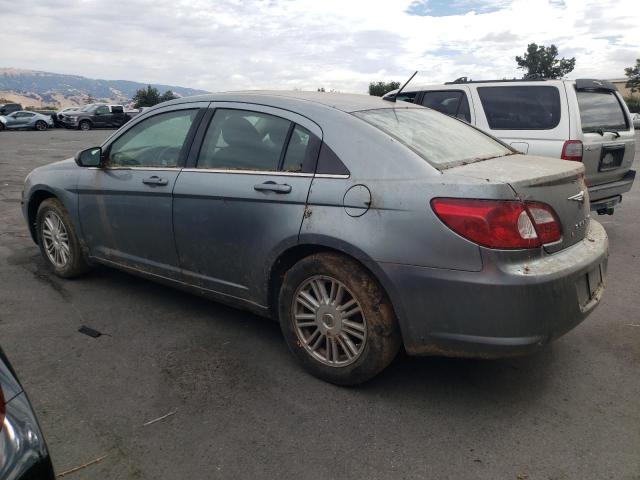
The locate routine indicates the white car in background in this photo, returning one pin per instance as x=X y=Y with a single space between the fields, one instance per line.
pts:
x=583 y=120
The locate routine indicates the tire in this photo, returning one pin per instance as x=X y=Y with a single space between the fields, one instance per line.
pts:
x=1 y=126
x=51 y=237
x=85 y=125
x=41 y=125
x=372 y=330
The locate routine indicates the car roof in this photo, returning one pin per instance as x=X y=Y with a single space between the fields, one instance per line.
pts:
x=454 y=85
x=346 y=102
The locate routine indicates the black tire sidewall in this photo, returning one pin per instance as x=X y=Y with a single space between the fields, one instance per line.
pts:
x=39 y=123
x=383 y=335
x=84 y=122
x=77 y=263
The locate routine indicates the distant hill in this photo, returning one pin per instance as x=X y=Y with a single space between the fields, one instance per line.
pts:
x=35 y=88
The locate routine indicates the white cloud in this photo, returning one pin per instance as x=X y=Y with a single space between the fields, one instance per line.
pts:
x=339 y=44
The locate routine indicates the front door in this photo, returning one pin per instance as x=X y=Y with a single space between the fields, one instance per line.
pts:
x=243 y=199
x=126 y=206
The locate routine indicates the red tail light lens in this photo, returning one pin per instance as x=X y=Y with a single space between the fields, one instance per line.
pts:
x=498 y=223
x=572 y=150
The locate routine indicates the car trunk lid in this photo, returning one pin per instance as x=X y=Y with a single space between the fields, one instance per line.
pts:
x=557 y=183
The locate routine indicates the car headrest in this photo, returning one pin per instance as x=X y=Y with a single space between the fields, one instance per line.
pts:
x=238 y=131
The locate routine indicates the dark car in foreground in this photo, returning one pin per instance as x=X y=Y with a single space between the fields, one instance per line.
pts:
x=23 y=451
x=359 y=223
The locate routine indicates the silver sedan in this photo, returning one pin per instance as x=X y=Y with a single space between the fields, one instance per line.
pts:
x=25 y=119
x=360 y=224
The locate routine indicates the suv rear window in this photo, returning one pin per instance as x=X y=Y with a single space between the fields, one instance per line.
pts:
x=441 y=140
x=521 y=107
x=600 y=111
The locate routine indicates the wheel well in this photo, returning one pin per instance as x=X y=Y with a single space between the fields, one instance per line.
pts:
x=34 y=203
x=290 y=257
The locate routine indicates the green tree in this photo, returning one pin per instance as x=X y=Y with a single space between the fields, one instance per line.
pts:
x=543 y=62
x=168 y=95
x=633 y=75
x=378 y=89
x=146 y=97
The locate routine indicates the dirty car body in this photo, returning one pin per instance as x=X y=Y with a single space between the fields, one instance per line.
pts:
x=374 y=183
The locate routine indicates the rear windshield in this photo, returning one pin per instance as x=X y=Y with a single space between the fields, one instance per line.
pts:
x=600 y=111
x=520 y=107
x=440 y=140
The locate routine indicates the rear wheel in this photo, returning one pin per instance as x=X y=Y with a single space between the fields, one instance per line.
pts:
x=58 y=241
x=85 y=125
x=337 y=320
x=41 y=125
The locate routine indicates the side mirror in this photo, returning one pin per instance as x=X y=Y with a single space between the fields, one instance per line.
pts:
x=91 y=157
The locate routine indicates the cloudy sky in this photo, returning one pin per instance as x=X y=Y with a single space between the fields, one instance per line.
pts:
x=337 y=44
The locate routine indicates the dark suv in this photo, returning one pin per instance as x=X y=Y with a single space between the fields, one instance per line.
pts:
x=7 y=108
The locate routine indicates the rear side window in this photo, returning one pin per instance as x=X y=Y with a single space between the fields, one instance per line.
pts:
x=521 y=107
x=600 y=111
x=453 y=103
x=117 y=109
x=440 y=140
x=244 y=140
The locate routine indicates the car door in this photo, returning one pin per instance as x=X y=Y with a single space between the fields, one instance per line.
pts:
x=242 y=199
x=101 y=116
x=126 y=205
x=14 y=120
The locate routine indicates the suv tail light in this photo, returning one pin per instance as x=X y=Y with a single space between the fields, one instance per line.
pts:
x=502 y=224
x=572 y=150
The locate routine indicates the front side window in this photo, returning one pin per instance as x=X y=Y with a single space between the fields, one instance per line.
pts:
x=244 y=140
x=453 y=103
x=154 y=142
x=102 y=110
x=600 y=111
x=520 y=107
x=442 y=141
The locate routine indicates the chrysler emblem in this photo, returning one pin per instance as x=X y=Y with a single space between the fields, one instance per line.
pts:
x=578 y=197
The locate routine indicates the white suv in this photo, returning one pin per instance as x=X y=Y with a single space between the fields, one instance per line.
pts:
x=583 y=120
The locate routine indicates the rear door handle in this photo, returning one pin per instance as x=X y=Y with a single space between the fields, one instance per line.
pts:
x=271 y=186
x=155 y=180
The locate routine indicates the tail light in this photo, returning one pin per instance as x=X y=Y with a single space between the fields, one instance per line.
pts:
x=572 y=150
x=502 y=224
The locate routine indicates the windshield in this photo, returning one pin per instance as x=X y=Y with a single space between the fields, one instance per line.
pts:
x=441 y=140
x=89 y=108
x=601 y=111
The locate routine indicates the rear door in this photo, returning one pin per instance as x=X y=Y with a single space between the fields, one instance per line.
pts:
x=532 y=117
x=243 y=198
x=604 y=127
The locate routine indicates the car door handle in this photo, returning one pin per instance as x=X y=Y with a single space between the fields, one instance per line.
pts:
x=272 y=187
x=155 y=180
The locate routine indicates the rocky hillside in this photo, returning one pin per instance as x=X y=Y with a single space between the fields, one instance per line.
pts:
x=38 y=89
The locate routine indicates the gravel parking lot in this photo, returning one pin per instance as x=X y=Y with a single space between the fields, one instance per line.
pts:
x=244 y=409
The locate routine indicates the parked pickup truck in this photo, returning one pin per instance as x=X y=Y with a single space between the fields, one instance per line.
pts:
x=95 y=115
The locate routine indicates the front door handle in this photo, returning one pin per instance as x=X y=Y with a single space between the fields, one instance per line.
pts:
x=155 y=180
x=272 y=187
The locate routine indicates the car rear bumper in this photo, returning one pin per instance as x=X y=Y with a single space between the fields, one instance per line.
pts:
x=23 y=452
x=610 y=194
x=510 y=307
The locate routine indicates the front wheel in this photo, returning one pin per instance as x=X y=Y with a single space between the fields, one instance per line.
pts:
x=58 y=241
x=337 y=320
x=41 y=125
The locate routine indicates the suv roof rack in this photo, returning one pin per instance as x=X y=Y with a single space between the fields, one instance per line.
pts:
x=532 y=78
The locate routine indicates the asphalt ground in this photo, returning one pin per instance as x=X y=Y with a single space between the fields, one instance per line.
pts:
x=244 y=409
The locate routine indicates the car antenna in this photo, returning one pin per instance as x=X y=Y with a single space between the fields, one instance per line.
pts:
x=393 y=99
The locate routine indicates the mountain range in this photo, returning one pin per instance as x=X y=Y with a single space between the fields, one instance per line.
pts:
x=39 y=89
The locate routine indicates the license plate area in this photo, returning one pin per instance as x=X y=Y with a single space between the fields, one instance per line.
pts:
x=611 y=157
x=590 y=287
